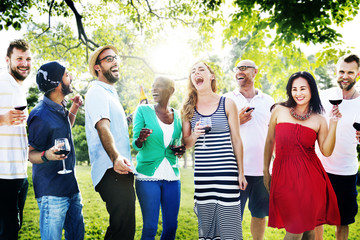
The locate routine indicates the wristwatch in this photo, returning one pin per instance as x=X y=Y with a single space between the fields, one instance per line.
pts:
x=43 y=157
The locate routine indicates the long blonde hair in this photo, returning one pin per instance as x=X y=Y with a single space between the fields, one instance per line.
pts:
x=187 y=110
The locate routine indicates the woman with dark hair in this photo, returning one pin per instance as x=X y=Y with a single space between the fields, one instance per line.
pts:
x=301 y=195
x=219 y=173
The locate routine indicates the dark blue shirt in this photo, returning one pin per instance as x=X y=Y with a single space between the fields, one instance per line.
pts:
x=46 y=122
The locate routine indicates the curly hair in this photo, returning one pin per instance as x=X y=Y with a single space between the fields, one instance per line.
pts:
x=189 y=104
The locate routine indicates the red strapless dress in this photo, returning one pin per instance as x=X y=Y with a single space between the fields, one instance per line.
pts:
x=301 y=195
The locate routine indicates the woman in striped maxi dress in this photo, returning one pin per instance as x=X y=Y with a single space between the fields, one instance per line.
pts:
x=219 y=173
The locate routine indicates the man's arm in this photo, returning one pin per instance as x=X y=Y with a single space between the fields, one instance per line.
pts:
x=35 y=157
x=77 y=103
x=121 y=164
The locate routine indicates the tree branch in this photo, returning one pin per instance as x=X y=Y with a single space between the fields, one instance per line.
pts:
x=139 y=58
x=69 y=48
x=50 y=8
x=81 y=31
x=138 y=14
x=167 y=18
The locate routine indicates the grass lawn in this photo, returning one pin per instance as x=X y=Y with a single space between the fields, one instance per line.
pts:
x=96 y=217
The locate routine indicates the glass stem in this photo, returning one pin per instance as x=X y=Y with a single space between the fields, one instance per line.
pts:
x=64 y=164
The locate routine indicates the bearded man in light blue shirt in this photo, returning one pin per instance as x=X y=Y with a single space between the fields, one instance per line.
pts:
x=109 y=146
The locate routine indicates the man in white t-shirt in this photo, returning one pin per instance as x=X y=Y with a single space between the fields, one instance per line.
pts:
x=254 y=114
x=342 y=166
x=13 y=140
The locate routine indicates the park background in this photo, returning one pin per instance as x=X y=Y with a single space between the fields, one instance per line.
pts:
x=165 y=38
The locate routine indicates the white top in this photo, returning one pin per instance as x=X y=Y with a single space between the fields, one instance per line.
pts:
x=164 y=171
x=254 y=132
x=343 y=160
x=13 y=139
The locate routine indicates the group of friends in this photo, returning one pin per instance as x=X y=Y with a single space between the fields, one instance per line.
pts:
x=311 y=143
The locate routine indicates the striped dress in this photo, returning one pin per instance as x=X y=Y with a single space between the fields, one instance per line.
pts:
x=217 y=193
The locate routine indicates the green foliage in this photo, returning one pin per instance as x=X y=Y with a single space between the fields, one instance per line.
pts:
x=81 y=147
x=307 y=21
x=33 y=96
x=13 y=13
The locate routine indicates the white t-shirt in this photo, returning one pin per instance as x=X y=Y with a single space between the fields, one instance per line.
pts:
x=254 y=132
x=343 y=160
x=13 y=139
x=165 y=170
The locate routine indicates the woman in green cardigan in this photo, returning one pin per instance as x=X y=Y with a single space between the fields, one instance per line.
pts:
x=158 y=181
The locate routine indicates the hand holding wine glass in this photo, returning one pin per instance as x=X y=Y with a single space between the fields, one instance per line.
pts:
x=63 y=147
x=356 y=125
x=18 y=115
x=205 y=123
x=335 y=114
x=178 y=148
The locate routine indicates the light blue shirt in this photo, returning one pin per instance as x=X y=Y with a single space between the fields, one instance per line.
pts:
x=102 y=101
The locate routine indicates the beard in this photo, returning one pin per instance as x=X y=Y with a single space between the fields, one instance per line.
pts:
x=109 y=76
x=66 y=89
x=348 y=87
x=16 y=74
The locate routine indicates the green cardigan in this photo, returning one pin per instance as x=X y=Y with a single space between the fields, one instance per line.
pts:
x=153 y=151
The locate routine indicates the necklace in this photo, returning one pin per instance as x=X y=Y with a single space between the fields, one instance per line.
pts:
x=300 y=117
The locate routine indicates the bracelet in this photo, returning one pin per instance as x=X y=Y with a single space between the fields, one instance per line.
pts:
x=43 y=157
x=72 y=114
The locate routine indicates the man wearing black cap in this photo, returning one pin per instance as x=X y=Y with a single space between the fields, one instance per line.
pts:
x=109 y=146
x=13 y=140
x=56 y=192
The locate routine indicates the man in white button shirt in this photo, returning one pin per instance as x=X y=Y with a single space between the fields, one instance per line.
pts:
x=254 y=114
x=13 y=140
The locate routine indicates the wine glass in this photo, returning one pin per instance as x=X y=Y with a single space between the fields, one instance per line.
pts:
x=177 y=147
x=336 y=97
x=64 y=148
x=19 y=103
x=205 y=122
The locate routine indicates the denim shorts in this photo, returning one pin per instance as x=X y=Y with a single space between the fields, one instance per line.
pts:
x=258 y=197
x=57 y=213
x=346 y=193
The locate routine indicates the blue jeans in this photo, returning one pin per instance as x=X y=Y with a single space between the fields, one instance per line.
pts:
x=155 y=194
x=57 y=213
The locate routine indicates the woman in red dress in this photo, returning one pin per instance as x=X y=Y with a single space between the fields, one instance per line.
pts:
x=301 y=195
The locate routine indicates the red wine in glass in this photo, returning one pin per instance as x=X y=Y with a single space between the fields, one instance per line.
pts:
x=177 y=149
x=335 y=102
x=64 y=148
x=207 y=129
x=20 y=107
x=66 y=152
x=356 y=125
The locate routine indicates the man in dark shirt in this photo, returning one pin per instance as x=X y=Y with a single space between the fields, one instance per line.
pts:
x=57 y=194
